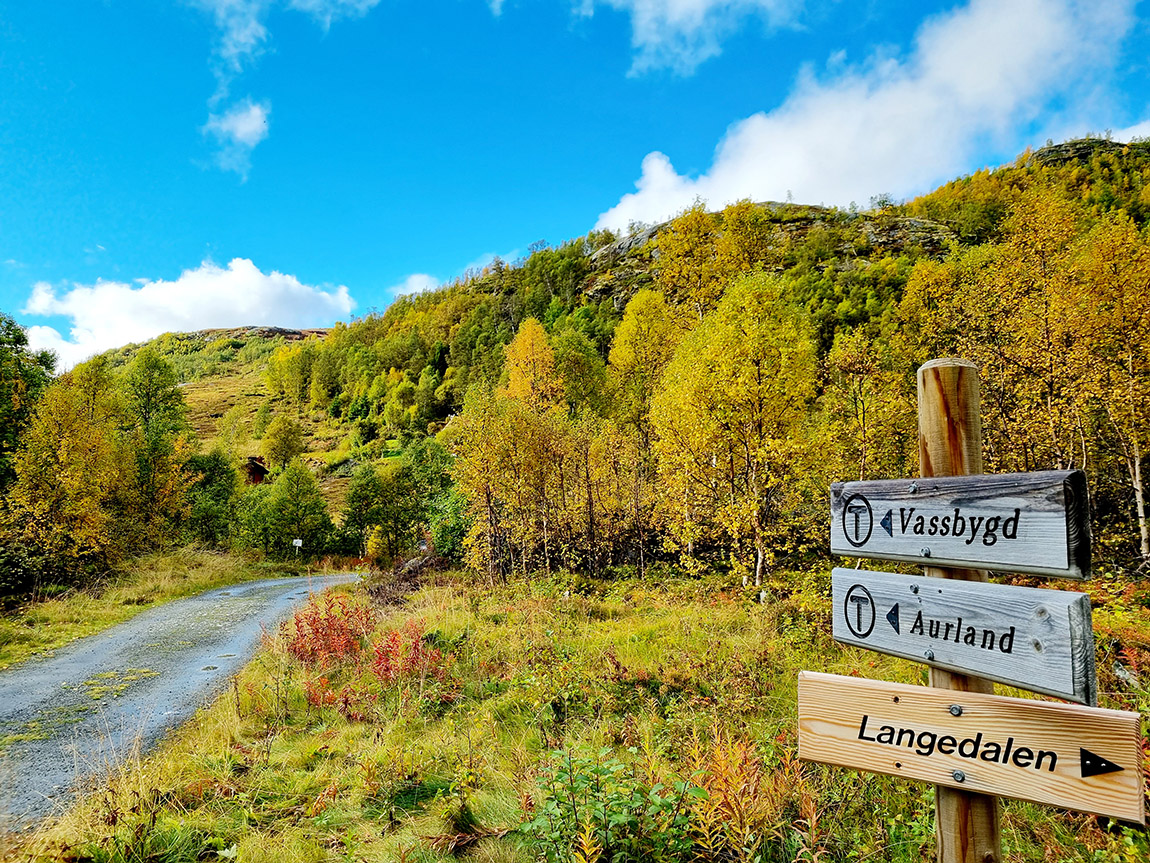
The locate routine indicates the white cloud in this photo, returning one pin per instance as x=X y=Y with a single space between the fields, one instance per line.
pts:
x=1139 y=130
x=681 y=34
x=242 y=37
x=109 y=314
x=981 y=73
x=416 y=283
x=326 y=11
x=237 y=132
x=242 y=33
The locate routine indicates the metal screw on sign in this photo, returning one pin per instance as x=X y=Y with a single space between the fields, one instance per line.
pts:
x=924 y=552
x=956 y=710
x=929 y=655
x=959 y=776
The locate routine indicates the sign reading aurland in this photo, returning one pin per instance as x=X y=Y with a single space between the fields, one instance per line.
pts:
x=1035 y=639
x=1082 y=758
x=1024 y=522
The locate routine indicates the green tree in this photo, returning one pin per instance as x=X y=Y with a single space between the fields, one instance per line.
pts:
x=282 y=442
x=213 y=498
x=385 y=503
x=582 y=372
x=156 y=412
x=24 y=375
x=297 y=511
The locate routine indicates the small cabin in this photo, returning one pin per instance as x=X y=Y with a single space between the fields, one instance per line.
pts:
x=255 y=471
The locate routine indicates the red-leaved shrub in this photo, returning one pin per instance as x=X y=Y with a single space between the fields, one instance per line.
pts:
x=328 y=628
x=403 y=653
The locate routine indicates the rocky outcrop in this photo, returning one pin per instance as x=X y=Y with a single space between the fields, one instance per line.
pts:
x=892 y=234
x=1081 y=150
x=623 y=267
x=262 y=332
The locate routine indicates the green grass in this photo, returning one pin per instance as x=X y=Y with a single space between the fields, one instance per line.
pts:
x=636 y=689
x=44 y=625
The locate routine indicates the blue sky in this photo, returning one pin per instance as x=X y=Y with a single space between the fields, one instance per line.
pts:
x=197 y=163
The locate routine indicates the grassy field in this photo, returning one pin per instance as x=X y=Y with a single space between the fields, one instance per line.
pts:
x=151 y=580
x=522 y=722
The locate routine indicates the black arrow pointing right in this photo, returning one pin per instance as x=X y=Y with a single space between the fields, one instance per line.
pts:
x=1096 y=765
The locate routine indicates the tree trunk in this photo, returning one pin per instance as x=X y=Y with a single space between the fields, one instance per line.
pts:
x=1140 y=501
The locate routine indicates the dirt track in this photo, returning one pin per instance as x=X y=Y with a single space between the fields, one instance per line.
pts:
x=66 y=717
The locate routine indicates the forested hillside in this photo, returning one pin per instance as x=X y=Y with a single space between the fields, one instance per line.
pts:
x=681 y=396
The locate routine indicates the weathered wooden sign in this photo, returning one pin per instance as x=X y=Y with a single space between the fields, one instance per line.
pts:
x=1041 y=640
x=1083 y=758
x=1022 y=522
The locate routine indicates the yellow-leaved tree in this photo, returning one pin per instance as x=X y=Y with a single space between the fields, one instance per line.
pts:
x=72 y=474
x=644 y=343
x=530 y=366
x=728 y=418
x=1111 y=356
x=688 y=268
x=1010 y=308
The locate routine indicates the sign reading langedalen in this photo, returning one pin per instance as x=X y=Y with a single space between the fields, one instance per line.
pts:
x=1035 y=639
x=1083 y=758
x=1023 y=522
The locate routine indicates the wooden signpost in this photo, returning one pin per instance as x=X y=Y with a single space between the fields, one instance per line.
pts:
x=1061 y=754
x=1039 y=640
x=1020 y=522
x=974 y=745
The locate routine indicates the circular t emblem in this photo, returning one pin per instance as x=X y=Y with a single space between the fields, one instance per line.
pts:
x=858 y=520
x=858 y=608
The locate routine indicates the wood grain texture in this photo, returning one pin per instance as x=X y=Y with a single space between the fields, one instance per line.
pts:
x=832 y=707
x=1036 y=522
x=968 y=825
x=1027 y=637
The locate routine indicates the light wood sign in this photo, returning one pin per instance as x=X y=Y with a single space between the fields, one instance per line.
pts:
x=1023 y=522
x=1035 y=639
x=1067 y=755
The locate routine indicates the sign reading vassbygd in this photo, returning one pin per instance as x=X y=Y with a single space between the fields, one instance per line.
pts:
x=1067 y=755
x=1039 y=640
x=1022 y=522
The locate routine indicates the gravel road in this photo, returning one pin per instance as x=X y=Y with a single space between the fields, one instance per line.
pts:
x=68 y=716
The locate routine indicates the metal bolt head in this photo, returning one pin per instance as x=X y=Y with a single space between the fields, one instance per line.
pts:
x=914 y=588
x=914 y=488
x=925 y=552
x=929 y=655
x=956 y=710
x=959 y=776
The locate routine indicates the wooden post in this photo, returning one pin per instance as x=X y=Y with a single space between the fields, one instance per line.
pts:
x=968 y=828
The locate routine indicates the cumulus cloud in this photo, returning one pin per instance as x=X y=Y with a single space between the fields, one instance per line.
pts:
x=681 y=34
x=109 y=314
x=1139 y=130
x=237 y=132
x=416 y=283
x=981 y=73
